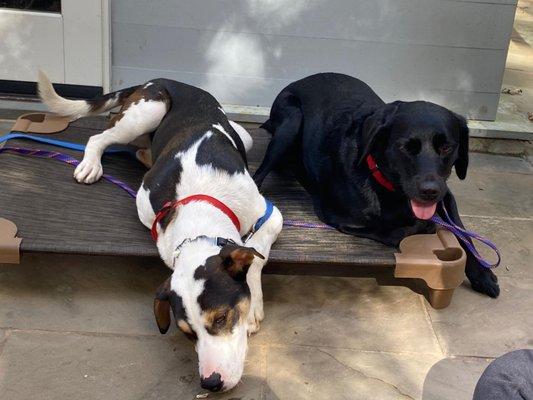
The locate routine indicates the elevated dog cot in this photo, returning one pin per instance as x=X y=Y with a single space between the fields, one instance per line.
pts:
x=42 y=209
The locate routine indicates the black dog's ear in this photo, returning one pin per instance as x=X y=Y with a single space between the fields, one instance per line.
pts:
x=237 y=260
x=162 y=306
x=373 y=126
x=461 y=164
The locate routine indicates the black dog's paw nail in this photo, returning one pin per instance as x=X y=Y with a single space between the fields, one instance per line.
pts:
x=488 y=285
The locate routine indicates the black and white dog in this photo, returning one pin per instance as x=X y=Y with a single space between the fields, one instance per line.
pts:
x=199 y=163
x=374 y=170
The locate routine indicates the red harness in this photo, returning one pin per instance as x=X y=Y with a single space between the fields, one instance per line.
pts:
x=378 y=176
x=169 y=205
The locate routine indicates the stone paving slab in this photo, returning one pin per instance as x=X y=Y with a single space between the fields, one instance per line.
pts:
x=474 y=325
x=498 y=163
x=453 y=378
x=2 y=339
x=345 y=312
x=494 y=194
x=315 y=373
x=514 y=238
x=115 y=295
x=53 y=366
x=73 y=293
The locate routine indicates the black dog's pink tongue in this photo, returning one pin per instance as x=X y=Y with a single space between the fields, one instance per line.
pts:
x=423 y=210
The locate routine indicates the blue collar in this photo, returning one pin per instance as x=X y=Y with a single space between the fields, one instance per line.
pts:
x=268 y=212
x=261 y=221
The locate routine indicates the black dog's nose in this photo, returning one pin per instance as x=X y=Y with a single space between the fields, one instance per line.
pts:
x=429 y=191
x=213 y=383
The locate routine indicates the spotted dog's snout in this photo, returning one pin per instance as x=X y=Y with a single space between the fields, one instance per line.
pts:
x=213 y=383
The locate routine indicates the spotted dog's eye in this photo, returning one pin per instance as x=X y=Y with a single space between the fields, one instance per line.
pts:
x=220 y=321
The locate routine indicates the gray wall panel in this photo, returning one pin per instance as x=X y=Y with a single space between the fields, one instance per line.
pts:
x=244 y=51
x=236 y=90
x=460 y=24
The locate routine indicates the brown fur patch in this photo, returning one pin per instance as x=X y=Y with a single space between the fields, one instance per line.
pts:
x=241 y=258
x=145 y=156
x=153 y=92
x=233 y=316
x=184 y=326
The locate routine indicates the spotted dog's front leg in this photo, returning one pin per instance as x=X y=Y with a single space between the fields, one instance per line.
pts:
x=141 y=114
x=262 y=240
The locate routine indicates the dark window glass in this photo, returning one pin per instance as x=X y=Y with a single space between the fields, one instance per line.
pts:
x=33 y=5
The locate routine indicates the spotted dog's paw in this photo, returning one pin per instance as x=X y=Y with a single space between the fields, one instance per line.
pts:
x=88 y=171
x=255 y=316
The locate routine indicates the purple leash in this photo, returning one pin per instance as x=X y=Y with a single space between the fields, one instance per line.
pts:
x=66 y=159
x=462 y=234
x=301 y=224
x=466 y=237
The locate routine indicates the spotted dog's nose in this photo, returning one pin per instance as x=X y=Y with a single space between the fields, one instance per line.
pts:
x=212 y=383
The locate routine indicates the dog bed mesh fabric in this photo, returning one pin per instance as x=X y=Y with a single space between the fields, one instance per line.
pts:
x=55 y=214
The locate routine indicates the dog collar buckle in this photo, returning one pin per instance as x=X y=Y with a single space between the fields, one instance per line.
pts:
x=221 y=242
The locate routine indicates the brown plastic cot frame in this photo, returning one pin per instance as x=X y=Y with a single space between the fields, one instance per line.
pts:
x=437 y=259
x=42 y=123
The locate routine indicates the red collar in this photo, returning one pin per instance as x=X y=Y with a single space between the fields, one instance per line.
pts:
x=376 y=173
x=197 y=197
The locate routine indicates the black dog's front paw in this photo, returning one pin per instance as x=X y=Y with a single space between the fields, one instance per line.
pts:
x=483 y=280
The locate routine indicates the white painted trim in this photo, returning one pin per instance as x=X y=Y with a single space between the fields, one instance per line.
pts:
x=246 y=113
x=30 y=13
x=82 y=37
x=106 y=45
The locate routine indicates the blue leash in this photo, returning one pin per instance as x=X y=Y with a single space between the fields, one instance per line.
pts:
x=61 y=143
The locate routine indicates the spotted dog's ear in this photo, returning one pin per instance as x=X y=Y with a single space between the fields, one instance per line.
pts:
x=461 y=164
x=375 y=125
x=162 y=306
x=237 y=259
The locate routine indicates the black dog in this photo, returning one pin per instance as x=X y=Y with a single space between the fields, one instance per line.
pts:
x=332 y=131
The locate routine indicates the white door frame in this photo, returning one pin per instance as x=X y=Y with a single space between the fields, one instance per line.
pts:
x=72 y=47
x=106 y=45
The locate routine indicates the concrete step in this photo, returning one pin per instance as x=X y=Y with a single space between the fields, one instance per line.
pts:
x=508 y=135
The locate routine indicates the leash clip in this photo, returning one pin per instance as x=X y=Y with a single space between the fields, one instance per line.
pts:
x=248 y=235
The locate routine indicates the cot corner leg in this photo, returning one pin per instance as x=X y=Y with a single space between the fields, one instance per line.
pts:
x=440 y=298
x=9 y=242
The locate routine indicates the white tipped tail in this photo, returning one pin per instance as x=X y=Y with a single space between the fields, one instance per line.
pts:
x=78 y=108
x=59 y=105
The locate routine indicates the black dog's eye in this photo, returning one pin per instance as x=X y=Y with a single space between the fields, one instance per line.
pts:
x=413 y=146
x=445 y=149
x=441 y=146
